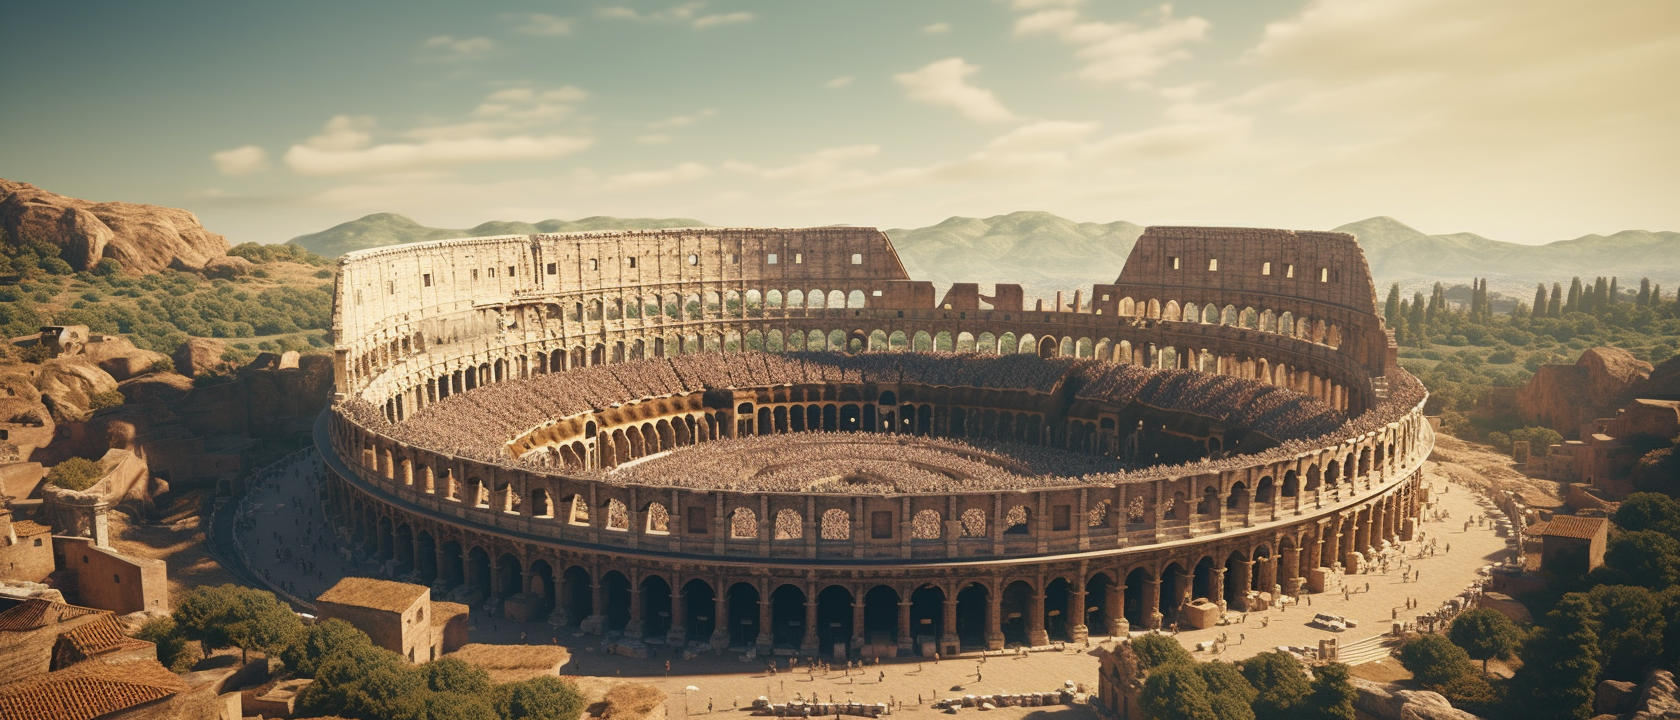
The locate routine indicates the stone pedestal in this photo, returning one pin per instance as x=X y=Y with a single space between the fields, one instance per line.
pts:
x=1316 y=579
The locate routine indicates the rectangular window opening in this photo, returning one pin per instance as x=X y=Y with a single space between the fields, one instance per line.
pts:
x=1289 y=271
x=1324 y=275
x=632 y=263
x=551 y=268
x=799 y=258
x=770 y=259
x=857 y=258
x=426 y=280
x=1265 y=268
x=1213 y=264
x=1172 y=263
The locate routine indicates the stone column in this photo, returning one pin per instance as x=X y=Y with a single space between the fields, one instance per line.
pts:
x=1268 y=576
x=994 y=619
x=1217 y=587
x=721 y=622
x=859 y=632
x=808 y=644
x=1035 y=621
x=633 y=629
x=677 y=635
x=1116 y=605
x=766 y=636
x=948 y=633
x=906 y=634
x=1076 y=628
x=1152 y=604
x=597 y=606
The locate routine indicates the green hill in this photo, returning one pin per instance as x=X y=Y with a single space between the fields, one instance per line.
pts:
x=381 y=229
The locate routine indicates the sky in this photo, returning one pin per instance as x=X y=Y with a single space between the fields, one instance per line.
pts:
x=1521 y=120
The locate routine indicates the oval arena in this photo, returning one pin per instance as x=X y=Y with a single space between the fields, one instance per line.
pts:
x=777 y=439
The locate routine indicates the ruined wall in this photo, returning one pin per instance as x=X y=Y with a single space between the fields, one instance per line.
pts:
x=108 y=580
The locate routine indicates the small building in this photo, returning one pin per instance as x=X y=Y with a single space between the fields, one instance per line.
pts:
x=30 y=630
x=399 y=617
x=109 y=580
x=26 y=549
x=1573 y=544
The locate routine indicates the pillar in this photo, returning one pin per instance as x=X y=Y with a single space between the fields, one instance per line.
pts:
x=1116 y=605
x=1152 y=604
x=766 y=640
x=597 y=605
x=1245 y=582
x=858 y=630
x=677 y=636
x=1036 y=635
x=948 y=640
x=633 y=629
x=1076 y=628
x=721 y=622
x=808 y=644
x=994 y=618
x=906 y=638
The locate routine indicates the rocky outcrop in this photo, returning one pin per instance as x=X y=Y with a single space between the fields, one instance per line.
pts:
x=118 y=356
x=1659 y=698
x=1564 y=397
x=198 y=356
x=67 y=385
x=1664 y=382
x=227 y=268
x=144 y=238
x=1384 y=702
x=1614 y=697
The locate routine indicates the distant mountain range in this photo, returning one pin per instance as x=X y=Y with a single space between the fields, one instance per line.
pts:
x=1045 y=252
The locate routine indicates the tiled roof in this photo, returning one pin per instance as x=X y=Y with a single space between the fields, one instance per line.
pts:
x=35 y=613
x=29 y=527
x=101 y=636
x=87 y=690
x=374 y=593
x=1574 y=526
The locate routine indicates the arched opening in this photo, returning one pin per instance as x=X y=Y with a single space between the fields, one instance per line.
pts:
x=425 y=559
x=700 y=606
x=540 y=582
x=1201 y=582
x=578 y=594
x=1055 y=610
x=1096 y=611
x=927 y=614
x=834 y=618
x=402 y=549
x=451 y=566
x=509 y=577
x=1017 y=602
x=615 y=595
x=880 y=616
x=656 y=607
x=1132 y=601
x=478 y=571
x=743 y=615
x=1174 y=591
x=787 y=616
x=971 y=615
x=1237 y=581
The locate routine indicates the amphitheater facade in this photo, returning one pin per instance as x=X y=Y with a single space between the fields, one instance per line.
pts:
x=777 y=439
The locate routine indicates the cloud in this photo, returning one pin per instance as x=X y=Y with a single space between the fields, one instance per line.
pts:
x=541 y=24
x=243 y=160
x=1036 y=4
x=649 y=179
x=840 y=82
x=429 y=154
x=938 y=28
x=944 y=83
x=1116 y=52
x=448 y=49
x=821 y=166
x=687 y=13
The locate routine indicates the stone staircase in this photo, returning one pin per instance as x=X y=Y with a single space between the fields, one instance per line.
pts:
x=1367 y=650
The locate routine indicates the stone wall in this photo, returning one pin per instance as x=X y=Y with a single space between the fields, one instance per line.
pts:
x=111 y=581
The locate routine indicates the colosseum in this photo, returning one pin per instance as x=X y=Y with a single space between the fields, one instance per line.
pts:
x=774 y=439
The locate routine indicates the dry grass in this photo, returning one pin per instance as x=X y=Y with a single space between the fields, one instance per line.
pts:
x=374 y=593
x=631 y=701
x=1387 y=670
x=512 y=663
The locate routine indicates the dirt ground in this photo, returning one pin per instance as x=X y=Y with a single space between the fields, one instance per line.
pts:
x=174 y=535
x=1477 y=464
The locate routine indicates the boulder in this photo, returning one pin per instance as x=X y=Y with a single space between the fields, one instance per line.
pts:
x=1658 y=697
x=1614 y=697
x=227 y=268
x=1663 y=383
x=1427 y=705
x=117 y=356
x=67 y=385
x=144 y=238
x=1564 y=397
x=198 y=356
x=163 y=387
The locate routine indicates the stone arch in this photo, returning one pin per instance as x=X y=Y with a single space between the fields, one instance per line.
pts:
x=926 y=525
x=836 y=525
x=789 y=525
x=743 y=524
x=974 y=523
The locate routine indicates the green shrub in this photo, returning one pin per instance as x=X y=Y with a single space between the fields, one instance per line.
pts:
x=76 y=473
x=107 y=267
x=105 y=399
x=1434 y=660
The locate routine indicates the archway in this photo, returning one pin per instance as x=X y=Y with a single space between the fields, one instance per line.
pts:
x=787 y=616
x=615 y=596
x=1055 y=610
x=743 y=614
x=927 y=614
x=578 y=600
x=1017 y=602
x=700 y=604
x=656 y=607
x=539 y=581
x=1137 y=583
x=452 y=568
x=478 y=571
x=834 y=618
x=971 y=615
x=426 y=559
x=880 y=615
x=508 y=576
x=1097 y=612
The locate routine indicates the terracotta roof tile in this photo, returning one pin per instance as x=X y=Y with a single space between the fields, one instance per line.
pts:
x=87 y=690
x=1574 y=526
x=35 y=613
x=101 y=636
x=29 y=527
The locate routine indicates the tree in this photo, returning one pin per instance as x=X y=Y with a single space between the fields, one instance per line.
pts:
x=1485 y=634
x=1156 y=650
x=546 y=697
x=1177 y=692
x=453 y=675
x=1279 y=685
x=318 y=642
x=1539 y=300
x=246 y=618
x=1645 y=557
x=172 y=648
x=1631 y=630
x=1649 y=511
x=1391 y=308
x=365 y=682
x=1434 y=660
x=1560 y=664
x=1332 y=694
x=1554 y=307
x=1573 y=304
x=1231 y=695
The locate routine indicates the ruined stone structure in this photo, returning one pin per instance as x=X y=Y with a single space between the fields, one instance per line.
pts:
x=495 y=397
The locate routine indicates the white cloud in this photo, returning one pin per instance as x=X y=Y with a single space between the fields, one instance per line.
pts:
x=342 y=133
x=820 y=166
x=687 y=13
x=938 y=28
x=682 y=120
x=242 y=160
x=428 y=154
x=840 y=82
x=944 y=83
x=706 y=21
x=541 y=24
x=649 y=179
x=1115 y=52
x=449 y=49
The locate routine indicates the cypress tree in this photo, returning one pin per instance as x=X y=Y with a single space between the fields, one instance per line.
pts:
x=1573 y=303
x=1644 y=297
x=1540 y=300
x=1391 y=308
x=1554 y=308
x=1560 y=664
x=1614 y=296
x=1416 y=321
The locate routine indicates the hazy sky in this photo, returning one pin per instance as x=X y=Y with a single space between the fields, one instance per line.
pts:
x=1524 y=120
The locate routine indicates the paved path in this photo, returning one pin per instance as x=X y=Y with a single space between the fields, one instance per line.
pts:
x=283 y=515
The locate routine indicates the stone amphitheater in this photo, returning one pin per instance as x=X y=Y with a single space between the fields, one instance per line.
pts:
x=775 y=439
